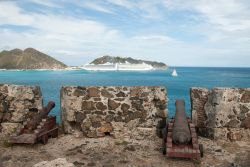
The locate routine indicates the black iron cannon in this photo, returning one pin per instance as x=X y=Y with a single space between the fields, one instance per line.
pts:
x=181 y=131
x=179 y=136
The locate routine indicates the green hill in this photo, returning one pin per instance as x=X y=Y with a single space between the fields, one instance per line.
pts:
x=28 y=59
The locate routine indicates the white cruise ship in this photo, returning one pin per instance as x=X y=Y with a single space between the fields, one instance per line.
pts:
x=118 y=67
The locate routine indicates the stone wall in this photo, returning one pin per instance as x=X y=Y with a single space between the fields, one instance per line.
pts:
x=221 y=112
x=17 y=103
x=116 y=111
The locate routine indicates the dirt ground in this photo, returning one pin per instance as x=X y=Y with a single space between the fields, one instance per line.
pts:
x=108 y=152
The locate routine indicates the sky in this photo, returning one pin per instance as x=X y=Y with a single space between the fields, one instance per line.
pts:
x=176 y=32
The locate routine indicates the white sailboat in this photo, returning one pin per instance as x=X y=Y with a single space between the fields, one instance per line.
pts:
x=174 y=73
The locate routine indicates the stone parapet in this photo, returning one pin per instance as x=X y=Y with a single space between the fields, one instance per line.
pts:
x=221 y=110
x=17 y=104
x=117 y=111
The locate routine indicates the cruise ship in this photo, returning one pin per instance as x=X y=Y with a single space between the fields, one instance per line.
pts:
x=118 y=67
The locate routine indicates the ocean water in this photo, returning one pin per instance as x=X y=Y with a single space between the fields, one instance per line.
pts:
x=177 y=87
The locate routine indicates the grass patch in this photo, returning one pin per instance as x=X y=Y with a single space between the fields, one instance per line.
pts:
x=121 y=142
x=6 y=144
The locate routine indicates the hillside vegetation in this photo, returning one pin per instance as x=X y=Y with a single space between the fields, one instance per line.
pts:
x=28 y=59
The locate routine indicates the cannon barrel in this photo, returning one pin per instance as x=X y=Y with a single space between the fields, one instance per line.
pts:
x=181 y=131
x=32 y=124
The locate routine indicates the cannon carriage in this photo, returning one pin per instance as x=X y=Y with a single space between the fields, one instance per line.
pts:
x=179 y=136
x=38 y=129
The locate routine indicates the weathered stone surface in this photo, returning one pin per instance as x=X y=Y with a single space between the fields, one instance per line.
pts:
x=125 y=107
x=101 y=106
x=88 y=105
x=18 y=103
x=221 y=108
x=113 y=105
x=93 y=92
x=245 y=98
x=199 y=97
x=105 y=93
x=113 y=111
x=59 y=162
x=121 y=94
x=246 y=123
x=80 y=92
x=79 y=116
x=10 y=128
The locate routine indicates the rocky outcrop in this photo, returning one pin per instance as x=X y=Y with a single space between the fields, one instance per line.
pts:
x=100 y=111
x=17 y=104
x=222 y=112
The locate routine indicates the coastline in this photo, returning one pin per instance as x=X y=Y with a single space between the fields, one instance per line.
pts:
x=82 y=69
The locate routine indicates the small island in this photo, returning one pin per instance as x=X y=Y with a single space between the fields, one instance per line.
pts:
x=28 y=59
x=109 y=63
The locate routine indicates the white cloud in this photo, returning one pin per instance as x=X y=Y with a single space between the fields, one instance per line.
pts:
x=11 y=14
x=47 y=3
x=75 y=40
x=95 y=6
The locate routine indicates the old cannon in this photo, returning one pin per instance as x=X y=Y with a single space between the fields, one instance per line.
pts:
x=39 y=128
x=179 y=136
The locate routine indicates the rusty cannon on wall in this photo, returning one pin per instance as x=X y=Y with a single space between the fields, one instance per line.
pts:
x=39 y=128
x=180 y=139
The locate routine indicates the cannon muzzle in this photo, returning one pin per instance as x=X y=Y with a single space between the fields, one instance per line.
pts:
x=181 y=131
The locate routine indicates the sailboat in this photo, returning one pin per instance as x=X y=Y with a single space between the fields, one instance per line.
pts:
x=174 y=73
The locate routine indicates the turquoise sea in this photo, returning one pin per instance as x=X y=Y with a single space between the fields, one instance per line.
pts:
x=178 y=87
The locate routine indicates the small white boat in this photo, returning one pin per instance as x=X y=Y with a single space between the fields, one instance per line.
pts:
x=174 y=73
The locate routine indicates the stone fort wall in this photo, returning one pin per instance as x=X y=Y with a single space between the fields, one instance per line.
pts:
x=221 y=113
x=17 y=104
x=118 y=111
x=135 y=112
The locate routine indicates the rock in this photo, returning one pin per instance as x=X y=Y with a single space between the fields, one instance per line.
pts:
x=130 y=148
x=234 y=136
x=88 y=105
x=121 y=94
x=105 y=93
x=93 y=92
x=135 y=92
x=246 y=123
x=113 y=105
x=79 y=116
x=101 y=106
x=10 y=128
x=109 y=118
x=245 y=98
x=244 y=109
x=59 y=162
x=86 y=125
x=233 y=123
x=105 y=128
x=125 y=107
x=80 y=91
x=138 y=105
